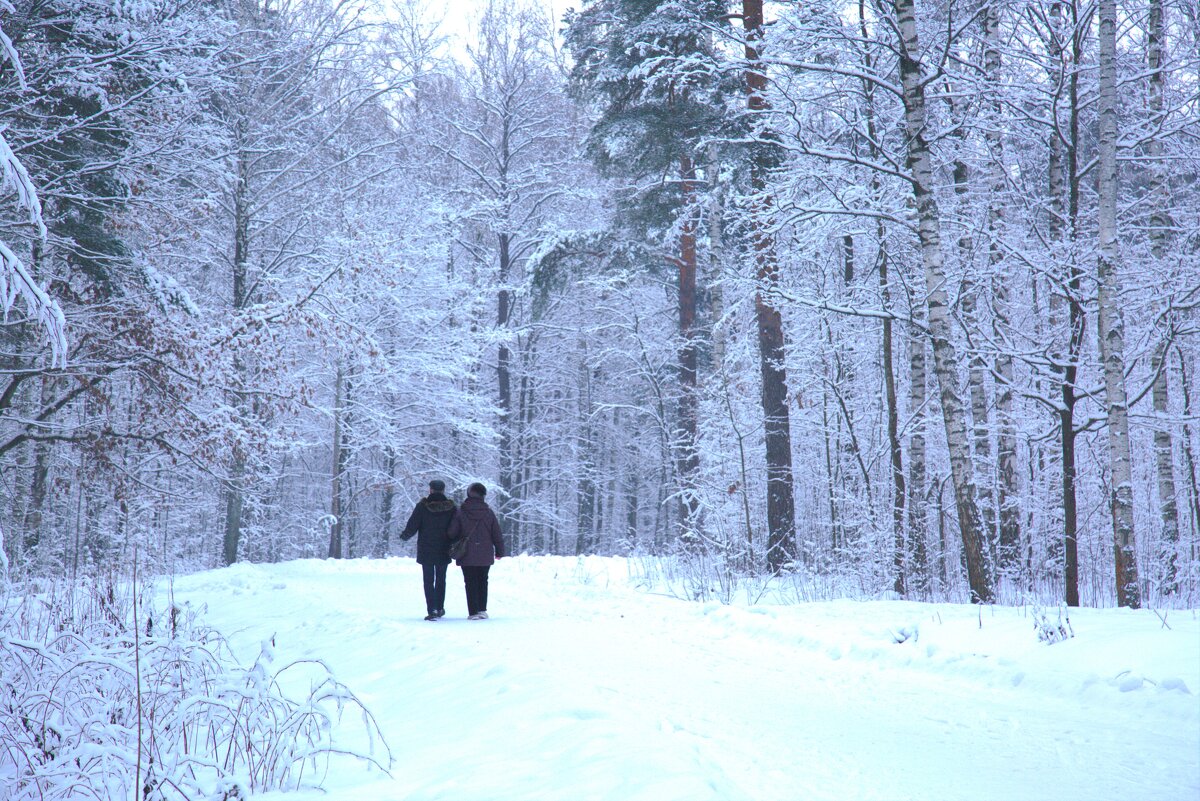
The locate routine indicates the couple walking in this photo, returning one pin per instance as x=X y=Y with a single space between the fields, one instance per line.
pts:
x=437 y=523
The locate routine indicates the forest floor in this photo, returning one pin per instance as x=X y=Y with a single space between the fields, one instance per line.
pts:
x=584 y=685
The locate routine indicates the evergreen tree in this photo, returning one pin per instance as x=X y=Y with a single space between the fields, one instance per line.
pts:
x=652 y=74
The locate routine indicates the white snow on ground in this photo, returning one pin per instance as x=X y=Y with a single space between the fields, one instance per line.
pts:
x=583 y=686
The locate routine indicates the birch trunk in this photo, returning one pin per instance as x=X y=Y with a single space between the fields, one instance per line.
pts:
x=1164 y=454
x=1189 y=456
x=899 y=555
x=945 y=359
x=1110 y=324
x=1160 y=239
x=387 y=504
x=1007 y=490
x=976 y=365
x=918 y=514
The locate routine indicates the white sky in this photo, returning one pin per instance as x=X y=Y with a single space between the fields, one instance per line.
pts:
x=458 y=16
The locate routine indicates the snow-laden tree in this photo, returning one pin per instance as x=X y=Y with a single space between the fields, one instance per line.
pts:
x=651 y=73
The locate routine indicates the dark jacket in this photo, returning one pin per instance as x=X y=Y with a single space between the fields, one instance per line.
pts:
x=430 y=520
x=476 y=521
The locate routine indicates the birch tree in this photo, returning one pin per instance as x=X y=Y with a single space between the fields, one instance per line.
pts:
x=1110 y=327
x=944 y=357
x=1160 y=237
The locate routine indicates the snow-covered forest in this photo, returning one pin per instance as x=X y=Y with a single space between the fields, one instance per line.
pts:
x=779 y=307
x=899 y=295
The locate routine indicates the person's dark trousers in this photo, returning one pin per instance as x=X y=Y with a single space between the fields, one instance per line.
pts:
x=476 y=579
x=435 y=587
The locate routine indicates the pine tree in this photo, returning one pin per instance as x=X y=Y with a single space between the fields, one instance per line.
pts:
x=651 y=72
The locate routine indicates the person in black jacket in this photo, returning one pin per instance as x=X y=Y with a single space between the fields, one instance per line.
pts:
x=430 y=520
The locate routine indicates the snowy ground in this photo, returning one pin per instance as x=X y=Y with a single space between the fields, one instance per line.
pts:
x=582 y=686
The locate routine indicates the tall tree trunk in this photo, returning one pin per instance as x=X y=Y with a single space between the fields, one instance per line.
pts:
x=586 y=501
x=632 y=490
x=1110 y=324
x=1007 y=490
x=335 y=483
x=918 y=513
x=837 y=539
x=899 y=489
x=387 y=505
x=234 y=500
x=1160 y=240
x=781 y=505
x=716 y=257
x=945 y=359
x=523 y=478
x=34 y=512
x=743 y=485
x=1164 y=454
x=1189 y=455
x=1067 y=361
x=504 y=384
x=235 y=483
x=899 y=555
x=688 y=458
x=848 y=452
x=977 y=367
x=1076 y=321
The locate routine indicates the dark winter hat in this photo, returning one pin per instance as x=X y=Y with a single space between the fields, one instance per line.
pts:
x=437 y=485
x=477 y=490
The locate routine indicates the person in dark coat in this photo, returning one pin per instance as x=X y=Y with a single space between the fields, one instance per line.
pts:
x=485 y=544
x=429 y=521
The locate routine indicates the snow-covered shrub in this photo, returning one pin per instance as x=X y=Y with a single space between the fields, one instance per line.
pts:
x=1051 y=629
x=94 y=704
x=699 y=573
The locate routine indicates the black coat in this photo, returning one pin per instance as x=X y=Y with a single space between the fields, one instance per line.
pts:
x=430 y=521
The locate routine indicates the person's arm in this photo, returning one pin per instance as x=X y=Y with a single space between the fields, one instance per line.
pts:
x=414 y=523
x=454 y=531
x=498 y=538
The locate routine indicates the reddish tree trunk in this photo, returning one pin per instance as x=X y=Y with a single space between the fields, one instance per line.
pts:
x=781 y=506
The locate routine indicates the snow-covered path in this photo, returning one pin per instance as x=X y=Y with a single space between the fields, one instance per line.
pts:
x=583 y=687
